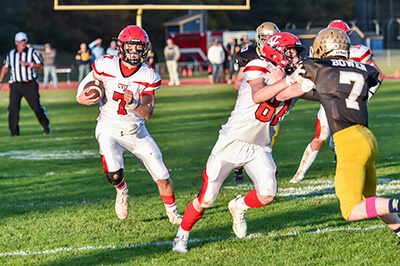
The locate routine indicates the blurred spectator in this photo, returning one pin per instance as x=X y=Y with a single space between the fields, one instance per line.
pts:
x=216 y=56
x=49 y=58
x=96 y=48
x=172 y=54
x=83 y=60
x=151 y=59
x=245 y=41
x=232 y=48
x=112 y=50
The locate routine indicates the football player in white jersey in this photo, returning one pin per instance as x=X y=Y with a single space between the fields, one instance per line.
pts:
x=245 y=140
x=243 y=57
x=129 y=99
x=359 y=53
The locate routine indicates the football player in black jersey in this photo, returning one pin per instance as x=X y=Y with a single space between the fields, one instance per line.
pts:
x=251 y=52
x=359 y=53
x=342 y=86
x=245 y=55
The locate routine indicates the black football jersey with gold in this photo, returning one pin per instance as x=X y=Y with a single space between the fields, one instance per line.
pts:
x=246 y=54
x=342 y=88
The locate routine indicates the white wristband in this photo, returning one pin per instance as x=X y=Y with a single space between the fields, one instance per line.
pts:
x=288 y=81
x=134 y=104
x=307 y=85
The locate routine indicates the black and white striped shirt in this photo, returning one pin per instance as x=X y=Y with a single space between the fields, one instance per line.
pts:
x=20 y=73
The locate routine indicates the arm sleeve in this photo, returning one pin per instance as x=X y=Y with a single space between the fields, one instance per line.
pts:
x=36 y=58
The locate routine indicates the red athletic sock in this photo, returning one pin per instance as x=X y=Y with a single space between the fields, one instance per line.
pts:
x=169 y=200
x=121 y=185
x=190 y=217
x=252 y=200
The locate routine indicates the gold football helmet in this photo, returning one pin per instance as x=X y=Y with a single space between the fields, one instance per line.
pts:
x=330 y=42
x=265 y=29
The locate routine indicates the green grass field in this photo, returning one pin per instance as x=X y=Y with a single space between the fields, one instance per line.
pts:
x=57 y=208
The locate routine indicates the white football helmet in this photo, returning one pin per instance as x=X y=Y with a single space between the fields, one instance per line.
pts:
x=265 y=29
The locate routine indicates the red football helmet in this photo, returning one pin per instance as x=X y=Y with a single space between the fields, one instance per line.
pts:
x=133 y=35
x=276 y=46
x=340 y=24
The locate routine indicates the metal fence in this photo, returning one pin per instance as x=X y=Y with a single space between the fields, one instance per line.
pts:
x=388 y=60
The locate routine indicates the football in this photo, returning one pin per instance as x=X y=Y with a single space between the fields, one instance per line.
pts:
x=94 y=89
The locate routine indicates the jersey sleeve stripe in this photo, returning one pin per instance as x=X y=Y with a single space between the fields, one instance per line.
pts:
x=95 y=69
x=101 y=74
x=255 y=68
x=107 y=75
x=361 y=58
x=148 y=85
x=144 y=93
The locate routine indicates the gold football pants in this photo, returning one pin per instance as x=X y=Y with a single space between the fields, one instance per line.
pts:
x=355 y=179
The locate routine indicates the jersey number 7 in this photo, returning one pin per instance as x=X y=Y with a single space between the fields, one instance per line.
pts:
x=121 y=107
x=358 y=79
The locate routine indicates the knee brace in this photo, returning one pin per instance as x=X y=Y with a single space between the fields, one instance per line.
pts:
x=115 y=178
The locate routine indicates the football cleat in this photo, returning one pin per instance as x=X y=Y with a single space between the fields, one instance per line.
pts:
x=180 y=244
x=297 y=178
x=47 y=131
x=174 y=217
x=121 y=204
x=239 y=219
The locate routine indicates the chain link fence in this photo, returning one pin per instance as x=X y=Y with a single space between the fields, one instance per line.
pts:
x=388 y=60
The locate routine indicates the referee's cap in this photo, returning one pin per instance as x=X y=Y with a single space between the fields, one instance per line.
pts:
x=21 y=36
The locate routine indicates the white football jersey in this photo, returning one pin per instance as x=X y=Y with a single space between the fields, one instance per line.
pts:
x=113 y=108
x=251 y=122
x=360 y=53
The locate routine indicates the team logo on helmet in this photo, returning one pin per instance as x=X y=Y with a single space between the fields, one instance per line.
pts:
x=276 y=48
x=274 y=40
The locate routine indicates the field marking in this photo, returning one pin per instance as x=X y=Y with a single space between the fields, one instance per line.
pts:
x=323 y=189
x=54 y=155
x=317 y=189
x=195 y=240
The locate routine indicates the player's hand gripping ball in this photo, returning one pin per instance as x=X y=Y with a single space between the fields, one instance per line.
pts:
x=94 y=89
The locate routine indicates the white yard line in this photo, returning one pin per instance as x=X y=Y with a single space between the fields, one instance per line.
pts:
x=53 y=155
x=195 y=240
x=315 y=189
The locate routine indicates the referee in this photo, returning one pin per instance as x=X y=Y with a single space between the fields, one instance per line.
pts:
x=22 y=62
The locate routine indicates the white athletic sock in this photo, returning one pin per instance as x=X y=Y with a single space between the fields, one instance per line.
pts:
x=307 y=160
x=183 y=232
x=170 y=208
